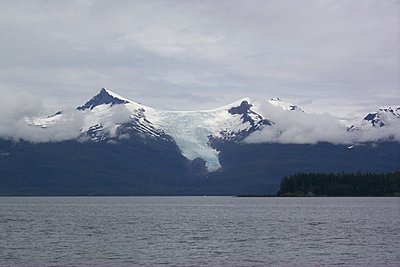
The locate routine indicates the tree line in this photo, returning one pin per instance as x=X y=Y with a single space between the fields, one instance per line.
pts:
x=341 y=184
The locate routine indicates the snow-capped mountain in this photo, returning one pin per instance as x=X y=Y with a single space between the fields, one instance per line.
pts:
x=104 y=97
x=111 y=145
x=277 y=102
x=193 y=130
x=385 y=117
x=110 y=117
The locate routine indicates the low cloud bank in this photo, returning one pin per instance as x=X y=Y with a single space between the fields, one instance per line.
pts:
x=296 y=127
x=19 y=115
x=18 y=109
x=383 y=133
x=66 y=128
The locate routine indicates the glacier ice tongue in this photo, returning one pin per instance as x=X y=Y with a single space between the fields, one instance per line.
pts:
x=190 y=131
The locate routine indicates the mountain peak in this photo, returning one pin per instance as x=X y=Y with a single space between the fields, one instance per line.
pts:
x=277 y=102
x=275 y=99
x=392 y=110
x=243 y=108
x=383 y=117
x=105 y=96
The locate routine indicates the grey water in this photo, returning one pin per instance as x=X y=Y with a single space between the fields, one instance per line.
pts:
x=199 y=231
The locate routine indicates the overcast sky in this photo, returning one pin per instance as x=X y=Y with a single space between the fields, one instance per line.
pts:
x=341 y=57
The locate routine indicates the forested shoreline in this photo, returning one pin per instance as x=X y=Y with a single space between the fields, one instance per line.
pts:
x=341 y=184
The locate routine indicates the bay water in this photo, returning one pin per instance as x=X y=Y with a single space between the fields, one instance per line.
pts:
x=199 y=231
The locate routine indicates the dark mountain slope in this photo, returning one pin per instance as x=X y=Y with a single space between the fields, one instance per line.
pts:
x=258 y=168
x=153 y=167
x=130 y=167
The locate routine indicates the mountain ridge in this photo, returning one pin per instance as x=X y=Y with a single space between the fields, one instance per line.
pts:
x=120 y=147
x=108 y=116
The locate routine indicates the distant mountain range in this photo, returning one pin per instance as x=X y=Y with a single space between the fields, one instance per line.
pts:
x=384 y=117
x=125 y=148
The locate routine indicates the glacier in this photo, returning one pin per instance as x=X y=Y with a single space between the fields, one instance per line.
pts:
x=110 y=117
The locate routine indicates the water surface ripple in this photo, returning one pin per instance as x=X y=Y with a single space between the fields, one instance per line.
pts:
x=199 y=231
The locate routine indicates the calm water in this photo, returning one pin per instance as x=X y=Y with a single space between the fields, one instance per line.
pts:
x=197 y=231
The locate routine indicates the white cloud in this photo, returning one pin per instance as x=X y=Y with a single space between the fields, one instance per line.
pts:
x=67 y=128
x=296 y=127
x=299 y=127
x=18 y=108
x=19 y=113
x=22 y=116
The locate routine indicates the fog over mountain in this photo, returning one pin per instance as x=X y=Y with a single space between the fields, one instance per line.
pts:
x=300 y=128
x=297 y=127
x=115 y=146
x=19 y=109
x=21 y=113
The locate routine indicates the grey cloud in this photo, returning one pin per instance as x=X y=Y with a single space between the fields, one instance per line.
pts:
x=329 y=50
